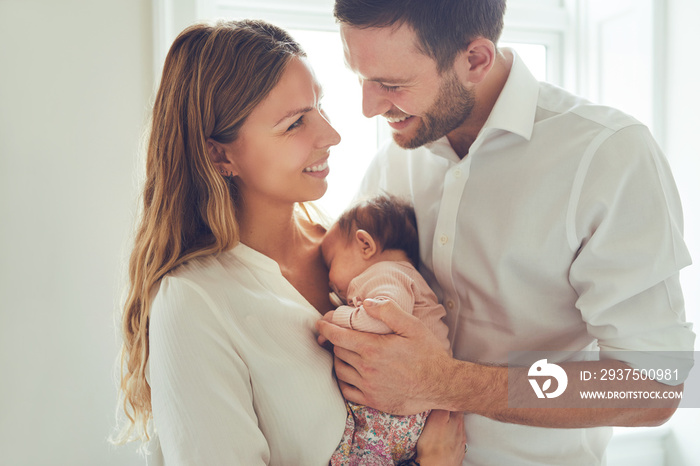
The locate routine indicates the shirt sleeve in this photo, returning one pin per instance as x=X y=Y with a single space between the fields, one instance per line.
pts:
x=200 y=387
x=628 y=229
x=380 y=283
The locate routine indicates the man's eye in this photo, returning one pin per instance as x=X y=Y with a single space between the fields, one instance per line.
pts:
x=389 y=88
x=296 y=124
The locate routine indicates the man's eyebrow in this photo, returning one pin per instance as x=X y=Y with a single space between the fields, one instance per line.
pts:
x=389 y=80
x=378 y=79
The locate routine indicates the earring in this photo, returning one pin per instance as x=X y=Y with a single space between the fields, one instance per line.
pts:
x=225 y=173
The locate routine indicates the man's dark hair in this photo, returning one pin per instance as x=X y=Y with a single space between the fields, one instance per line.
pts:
x=443 y=27
x=389 y=220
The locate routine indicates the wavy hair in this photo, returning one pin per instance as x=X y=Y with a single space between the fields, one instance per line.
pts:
x=213 y=78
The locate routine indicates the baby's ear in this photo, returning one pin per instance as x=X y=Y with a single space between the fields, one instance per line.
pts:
x=368 y=247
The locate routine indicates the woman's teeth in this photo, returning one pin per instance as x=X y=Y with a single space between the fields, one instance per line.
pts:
x=317 y=168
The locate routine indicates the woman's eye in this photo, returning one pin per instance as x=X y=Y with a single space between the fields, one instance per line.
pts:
x=296 y=124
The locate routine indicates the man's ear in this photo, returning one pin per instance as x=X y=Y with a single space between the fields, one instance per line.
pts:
x=368 y=247
x=221 y=158
x=473 y=64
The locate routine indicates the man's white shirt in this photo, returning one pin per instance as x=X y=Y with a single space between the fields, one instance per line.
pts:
x=560 y=230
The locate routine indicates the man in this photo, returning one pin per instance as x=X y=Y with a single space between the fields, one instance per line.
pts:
x=547 y=223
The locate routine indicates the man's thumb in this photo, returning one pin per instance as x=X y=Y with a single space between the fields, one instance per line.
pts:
x=386 y=310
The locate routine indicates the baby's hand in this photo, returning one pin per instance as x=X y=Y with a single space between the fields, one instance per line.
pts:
x=328 y=316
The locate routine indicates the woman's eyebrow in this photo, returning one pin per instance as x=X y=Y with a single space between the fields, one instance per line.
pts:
x=293 y=113
x=319 y=92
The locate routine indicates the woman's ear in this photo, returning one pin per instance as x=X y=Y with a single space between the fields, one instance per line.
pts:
x=473 y=64
x=368 y=247
x=220 y=157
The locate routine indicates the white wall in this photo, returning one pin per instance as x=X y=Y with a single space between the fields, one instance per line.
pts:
x=683 y=150
x=75 y=82
x=683 y=145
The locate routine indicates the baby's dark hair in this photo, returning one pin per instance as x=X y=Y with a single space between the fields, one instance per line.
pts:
x=389 y=220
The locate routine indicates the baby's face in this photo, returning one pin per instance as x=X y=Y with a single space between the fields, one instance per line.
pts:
x=343 y=258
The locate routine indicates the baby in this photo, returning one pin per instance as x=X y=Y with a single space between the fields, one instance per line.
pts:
x=372 y=252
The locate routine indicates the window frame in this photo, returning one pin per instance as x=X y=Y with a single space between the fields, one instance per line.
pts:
x=529 y=21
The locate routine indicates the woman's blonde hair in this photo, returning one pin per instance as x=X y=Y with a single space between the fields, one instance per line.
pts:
x=213 y=78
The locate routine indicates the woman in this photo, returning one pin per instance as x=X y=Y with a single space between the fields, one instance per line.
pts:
x=226 y=275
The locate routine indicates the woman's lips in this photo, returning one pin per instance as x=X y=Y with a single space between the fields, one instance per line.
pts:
x=320 y=170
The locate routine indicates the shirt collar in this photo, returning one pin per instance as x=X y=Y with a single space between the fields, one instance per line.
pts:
x=515 y=108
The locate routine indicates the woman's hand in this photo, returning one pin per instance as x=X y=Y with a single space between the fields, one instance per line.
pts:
x=443 y=441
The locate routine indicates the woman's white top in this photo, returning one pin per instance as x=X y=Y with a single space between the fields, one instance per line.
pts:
x=236 y=374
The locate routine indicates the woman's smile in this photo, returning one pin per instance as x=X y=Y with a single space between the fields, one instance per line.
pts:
x=320 y=170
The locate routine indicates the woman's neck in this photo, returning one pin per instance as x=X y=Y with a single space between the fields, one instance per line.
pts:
x=272 y=230
x=292 y=242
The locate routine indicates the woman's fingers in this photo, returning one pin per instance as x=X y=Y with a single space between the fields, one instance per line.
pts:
x=443 y=440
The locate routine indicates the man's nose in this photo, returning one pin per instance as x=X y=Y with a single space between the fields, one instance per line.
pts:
x=373 y=103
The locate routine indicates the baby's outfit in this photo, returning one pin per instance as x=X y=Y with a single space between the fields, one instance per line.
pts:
x=372 y=437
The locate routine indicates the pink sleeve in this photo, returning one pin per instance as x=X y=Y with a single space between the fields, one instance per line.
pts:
x=356 y=318
x=377 y=283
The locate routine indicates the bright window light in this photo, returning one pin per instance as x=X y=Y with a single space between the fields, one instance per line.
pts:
x=343 y=104
x=534 y=56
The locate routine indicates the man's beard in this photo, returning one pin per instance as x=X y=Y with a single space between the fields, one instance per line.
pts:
x=451 y=108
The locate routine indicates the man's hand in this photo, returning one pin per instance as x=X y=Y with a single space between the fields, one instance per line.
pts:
x=398 y=373
x=323 y=341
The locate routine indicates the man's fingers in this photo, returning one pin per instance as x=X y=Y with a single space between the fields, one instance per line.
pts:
x=347 y=356
x=392 y=315
x=346 y=372
x=337 y=335
x=352 y=393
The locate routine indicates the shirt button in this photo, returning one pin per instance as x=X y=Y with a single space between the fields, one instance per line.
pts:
x=450 y=304
x=457 y=173
x=443 y=239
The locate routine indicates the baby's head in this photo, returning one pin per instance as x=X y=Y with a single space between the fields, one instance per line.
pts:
x=380 y=228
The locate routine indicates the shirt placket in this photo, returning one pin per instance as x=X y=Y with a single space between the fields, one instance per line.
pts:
x=444 y=239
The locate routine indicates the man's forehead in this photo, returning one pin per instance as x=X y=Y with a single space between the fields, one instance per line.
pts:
x=386 y=54
x=399 y=35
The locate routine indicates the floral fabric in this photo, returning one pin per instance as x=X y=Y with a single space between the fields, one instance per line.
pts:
x=375 y=438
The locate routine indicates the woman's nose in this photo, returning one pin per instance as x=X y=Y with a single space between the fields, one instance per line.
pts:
x=330 y=136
